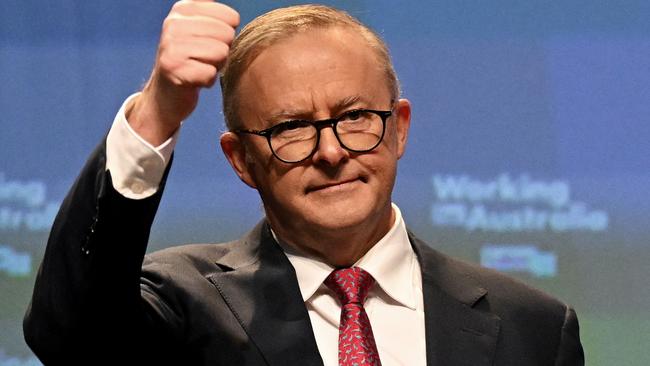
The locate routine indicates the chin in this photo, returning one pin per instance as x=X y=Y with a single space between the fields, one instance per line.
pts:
x=342 y=217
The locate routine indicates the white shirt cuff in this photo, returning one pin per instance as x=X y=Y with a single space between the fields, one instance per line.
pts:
x=136 y=166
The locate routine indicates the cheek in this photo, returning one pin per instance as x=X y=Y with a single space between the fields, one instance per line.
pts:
x=381 y=166
x=280 y=182
x=290 y=183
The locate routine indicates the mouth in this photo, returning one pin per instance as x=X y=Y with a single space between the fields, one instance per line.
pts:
x=336 y=185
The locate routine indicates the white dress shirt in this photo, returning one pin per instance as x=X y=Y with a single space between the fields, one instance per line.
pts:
x=394 y=304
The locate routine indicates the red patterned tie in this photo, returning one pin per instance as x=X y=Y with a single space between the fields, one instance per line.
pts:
x=356 y=343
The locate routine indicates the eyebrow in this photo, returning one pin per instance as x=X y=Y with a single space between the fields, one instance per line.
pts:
x=347 y=102
x=294 y=114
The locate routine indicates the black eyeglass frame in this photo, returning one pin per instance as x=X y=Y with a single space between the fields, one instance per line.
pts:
x=319 y=125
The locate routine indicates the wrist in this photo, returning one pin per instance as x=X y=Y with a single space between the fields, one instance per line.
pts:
x=150 y=121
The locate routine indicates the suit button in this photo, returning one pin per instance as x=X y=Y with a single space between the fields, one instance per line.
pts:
x=137 y=187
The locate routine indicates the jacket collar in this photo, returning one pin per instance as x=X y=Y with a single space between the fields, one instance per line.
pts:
x=260 y=286
x=457 y=332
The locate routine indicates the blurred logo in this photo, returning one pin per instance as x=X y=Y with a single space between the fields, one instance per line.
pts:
x=511 y=204
x=14 y=263
x=8 y=360
x=519 y=258
x=24 y=205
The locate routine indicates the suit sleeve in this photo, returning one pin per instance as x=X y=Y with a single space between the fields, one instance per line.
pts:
x=86 y=300
x=570 y=351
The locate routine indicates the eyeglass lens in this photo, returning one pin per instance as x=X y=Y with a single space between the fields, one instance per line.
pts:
x=357 y=131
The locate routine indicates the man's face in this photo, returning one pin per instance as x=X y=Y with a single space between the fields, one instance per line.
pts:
x=315 y=75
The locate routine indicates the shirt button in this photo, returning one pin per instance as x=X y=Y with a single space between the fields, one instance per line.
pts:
x=137 y=187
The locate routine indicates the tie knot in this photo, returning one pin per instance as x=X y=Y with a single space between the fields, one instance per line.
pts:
x=351 y=285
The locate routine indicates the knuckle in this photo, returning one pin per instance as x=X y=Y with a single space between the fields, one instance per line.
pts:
x=220 y=51
x=225 y=50
x=230 y=35
x=178 y=6
x=165 y=40
x=236 y=19
x=169 y=24
x=231 y=16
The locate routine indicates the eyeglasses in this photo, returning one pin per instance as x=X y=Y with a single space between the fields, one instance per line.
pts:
x=359 y=130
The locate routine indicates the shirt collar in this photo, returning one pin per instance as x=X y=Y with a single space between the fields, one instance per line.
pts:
x=391 y=262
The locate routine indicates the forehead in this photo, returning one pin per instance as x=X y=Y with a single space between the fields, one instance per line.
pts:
x=310 y=74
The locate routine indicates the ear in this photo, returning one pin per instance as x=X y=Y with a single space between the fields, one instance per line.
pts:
x=235 y=151
x=402 y=123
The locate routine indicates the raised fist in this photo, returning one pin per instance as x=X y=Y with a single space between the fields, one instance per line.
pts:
x=194 y=43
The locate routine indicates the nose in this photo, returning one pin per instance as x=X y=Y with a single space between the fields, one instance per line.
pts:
x=329 y=150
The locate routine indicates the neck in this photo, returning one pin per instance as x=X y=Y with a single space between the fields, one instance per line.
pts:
x=340 y=247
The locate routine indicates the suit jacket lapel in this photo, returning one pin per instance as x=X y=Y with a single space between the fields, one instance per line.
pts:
x=260 y=287
x=456 y=332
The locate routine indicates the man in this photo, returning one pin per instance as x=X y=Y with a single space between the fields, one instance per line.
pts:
x=316 y=126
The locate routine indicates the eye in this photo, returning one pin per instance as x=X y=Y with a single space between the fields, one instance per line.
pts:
x=291 y=127
x=353 y=115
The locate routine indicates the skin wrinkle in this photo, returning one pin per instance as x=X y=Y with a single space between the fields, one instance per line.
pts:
x=315 y=77
x=279 y=25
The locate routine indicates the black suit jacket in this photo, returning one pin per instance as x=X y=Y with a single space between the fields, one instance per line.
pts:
x=96 y=301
